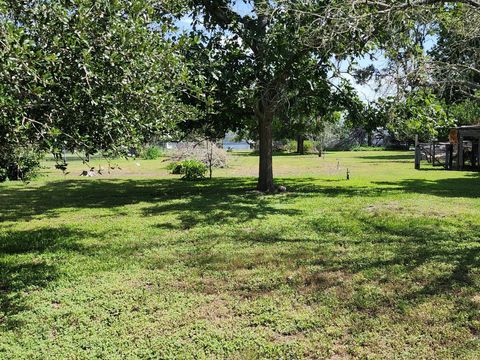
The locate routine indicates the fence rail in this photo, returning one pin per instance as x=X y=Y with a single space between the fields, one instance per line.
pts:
x=461 y=156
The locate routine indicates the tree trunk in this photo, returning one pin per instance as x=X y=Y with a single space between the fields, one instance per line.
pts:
x=265 y=176
x=300 y=144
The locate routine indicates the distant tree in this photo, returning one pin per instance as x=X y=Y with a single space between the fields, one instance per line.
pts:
x=367 y=116
x=465 y=112
x=440 y=52
x=433 y=52
x=455 y=58
x=310 y=108
x=422 y=113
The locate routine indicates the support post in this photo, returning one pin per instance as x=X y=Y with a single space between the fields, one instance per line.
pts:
x=417 y=154
x=460 y=153
x=472 y=156
x=450 y=157
x=447 y=157
x=478 y=155
x=433 y=153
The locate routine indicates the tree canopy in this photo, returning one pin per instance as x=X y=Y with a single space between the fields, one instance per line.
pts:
x=268 y=60
x=90 y=75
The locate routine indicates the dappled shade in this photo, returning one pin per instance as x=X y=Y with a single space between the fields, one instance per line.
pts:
x=362 y=250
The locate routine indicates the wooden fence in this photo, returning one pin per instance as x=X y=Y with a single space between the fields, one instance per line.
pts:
x=461 y=156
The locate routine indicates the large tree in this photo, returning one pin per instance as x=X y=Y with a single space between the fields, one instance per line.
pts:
x=89 y=75
x=266 y=57
x=266 y=46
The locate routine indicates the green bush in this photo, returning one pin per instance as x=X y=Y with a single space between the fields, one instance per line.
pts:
x=176 y=168
x=152 y=153
x=190 y=169
x=194 y=170
x=308 y=145
x=19 y=164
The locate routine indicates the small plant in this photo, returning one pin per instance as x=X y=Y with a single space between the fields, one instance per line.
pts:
x=190 y=169
x=193 y=170
x=175 y=168
x=152 y=153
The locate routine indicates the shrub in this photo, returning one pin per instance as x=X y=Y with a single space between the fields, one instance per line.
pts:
x=19 y=164
x=190 y=169
x=152 y=153
x=193 y=170
x=308 y=145
x=175 y=168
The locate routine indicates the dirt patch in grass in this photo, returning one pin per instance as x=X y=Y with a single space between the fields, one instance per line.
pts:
x=217 y=310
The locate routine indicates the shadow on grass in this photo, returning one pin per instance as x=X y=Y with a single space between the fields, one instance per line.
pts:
x=383 y=246
x=24 y=268
x=201 y=210
x=220 y=198
x=413 y=262
x=24 y=202
x=466 y=187
x=415 y=250
x=458 y=187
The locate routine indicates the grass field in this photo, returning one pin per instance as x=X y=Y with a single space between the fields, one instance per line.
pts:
x=139 y=264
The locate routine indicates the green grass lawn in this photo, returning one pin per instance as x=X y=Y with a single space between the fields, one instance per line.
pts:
x=139 y=264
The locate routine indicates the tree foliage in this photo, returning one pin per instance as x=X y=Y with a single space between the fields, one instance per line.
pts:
x=261 y=65
x=433 y=52
x=422 y=114
x=89 y=75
